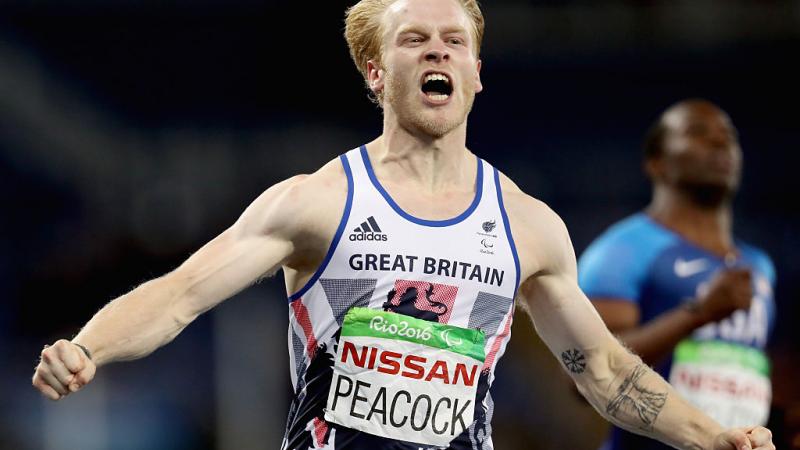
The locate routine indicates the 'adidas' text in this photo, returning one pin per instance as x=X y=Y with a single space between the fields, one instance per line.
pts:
x=368 y=231
x=368 y=237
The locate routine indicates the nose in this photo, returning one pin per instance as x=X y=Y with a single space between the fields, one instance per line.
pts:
x=437 y=53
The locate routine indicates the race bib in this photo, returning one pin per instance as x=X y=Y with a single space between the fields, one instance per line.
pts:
x=404 y=378
x=729 y=382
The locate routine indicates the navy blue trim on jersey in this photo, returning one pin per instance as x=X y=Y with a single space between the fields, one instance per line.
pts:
x=418 y=221
x=336 y=237
x=507 y=225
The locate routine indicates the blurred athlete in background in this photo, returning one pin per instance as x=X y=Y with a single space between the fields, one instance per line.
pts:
x=676 y=286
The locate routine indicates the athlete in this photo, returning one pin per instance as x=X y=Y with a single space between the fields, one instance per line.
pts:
x=675 y=284
x=402 y=260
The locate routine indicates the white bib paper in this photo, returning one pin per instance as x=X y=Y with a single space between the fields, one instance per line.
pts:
x=404 y=378
x=728 y=382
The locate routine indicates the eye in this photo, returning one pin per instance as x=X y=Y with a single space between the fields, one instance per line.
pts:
x=456 y=41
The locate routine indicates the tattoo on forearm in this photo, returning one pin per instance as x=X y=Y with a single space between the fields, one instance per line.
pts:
x=632 y=397
x=574 y=360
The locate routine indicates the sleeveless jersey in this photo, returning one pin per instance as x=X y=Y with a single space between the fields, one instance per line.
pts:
x=457 y=275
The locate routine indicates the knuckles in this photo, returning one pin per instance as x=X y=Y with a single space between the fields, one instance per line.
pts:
x=62 y=344
x=50 y=354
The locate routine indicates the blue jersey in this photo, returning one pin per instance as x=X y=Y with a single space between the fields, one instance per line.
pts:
x=721 y=368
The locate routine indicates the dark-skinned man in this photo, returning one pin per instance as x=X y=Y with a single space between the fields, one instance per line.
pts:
x=674 y=283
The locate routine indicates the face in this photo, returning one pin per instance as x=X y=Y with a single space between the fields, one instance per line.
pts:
x=429 y=73
x=700 y=148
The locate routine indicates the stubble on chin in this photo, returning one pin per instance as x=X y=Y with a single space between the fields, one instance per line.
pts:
x=414 y=117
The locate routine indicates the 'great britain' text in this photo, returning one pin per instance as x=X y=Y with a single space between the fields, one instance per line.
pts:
x=431 y=266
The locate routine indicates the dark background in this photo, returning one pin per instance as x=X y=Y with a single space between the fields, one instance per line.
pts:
x=131 y=132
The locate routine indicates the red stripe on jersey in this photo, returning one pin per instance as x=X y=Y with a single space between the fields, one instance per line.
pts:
x=498 y=340
x=320 y=428
x=302 y=317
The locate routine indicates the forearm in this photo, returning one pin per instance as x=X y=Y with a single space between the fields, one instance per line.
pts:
x=655 y=339
x=631 y=395
x=137 y=323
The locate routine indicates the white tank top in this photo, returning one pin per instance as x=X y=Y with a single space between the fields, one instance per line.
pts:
x=463 y=271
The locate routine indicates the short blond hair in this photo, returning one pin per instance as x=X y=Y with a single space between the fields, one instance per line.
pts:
x=364 y=29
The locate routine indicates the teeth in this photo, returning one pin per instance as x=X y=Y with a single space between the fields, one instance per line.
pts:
x=437 y=76
x=438 y=97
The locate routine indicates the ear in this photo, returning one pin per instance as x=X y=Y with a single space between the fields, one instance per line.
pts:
x=478 y=84
x=376 y=76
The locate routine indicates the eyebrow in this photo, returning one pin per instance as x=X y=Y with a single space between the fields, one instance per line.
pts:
x=455 y=30
x=406 y=29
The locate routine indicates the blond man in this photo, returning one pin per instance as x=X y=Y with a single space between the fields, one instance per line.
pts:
x=403 y=258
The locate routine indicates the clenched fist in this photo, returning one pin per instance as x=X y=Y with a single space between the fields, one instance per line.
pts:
x=63 y=369
x=750 y=438
x=729 y=290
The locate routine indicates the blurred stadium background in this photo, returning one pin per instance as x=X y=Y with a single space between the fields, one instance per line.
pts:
x=131 y=132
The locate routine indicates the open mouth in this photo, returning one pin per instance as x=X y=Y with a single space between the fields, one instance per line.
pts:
x=437 y=86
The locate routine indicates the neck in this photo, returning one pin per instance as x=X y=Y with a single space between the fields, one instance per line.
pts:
x=710 y=227
x=430 y=163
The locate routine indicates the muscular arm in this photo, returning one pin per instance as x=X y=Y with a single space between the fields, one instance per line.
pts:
x=139 y=322
x=277 y=229
x=617 y=383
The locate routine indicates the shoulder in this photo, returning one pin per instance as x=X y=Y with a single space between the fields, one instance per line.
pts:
x=527 y=210
x=619 y=261
x=540 y=235
x=298 y=204
x=626 y=250
x=328 y=183
x=636 y=236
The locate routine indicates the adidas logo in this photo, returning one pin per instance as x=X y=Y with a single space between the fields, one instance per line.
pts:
x=368 y=231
